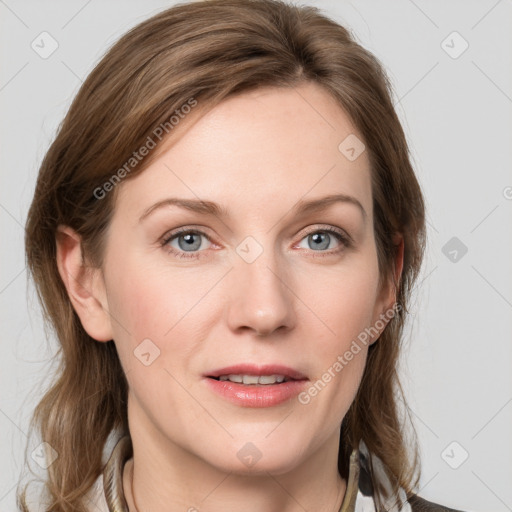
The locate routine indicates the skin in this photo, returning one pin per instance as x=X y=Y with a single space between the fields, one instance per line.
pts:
x=257 y=155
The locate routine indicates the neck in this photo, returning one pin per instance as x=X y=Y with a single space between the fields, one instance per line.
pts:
x=162 y=476
x=253 y=499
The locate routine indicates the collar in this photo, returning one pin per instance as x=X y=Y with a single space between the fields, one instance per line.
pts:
x=367 y=485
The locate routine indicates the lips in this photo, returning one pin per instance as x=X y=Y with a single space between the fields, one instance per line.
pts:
x=257 y=371
x=248 y=385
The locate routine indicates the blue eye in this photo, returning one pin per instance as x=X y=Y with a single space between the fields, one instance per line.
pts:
x=320 y=240
x=187 y=240
x=188 y=243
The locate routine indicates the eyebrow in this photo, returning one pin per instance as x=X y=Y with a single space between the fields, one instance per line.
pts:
x=210 y=208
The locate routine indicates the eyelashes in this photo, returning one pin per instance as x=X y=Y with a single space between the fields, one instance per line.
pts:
x=182 y=232
x=344 y=240
x=188 y=234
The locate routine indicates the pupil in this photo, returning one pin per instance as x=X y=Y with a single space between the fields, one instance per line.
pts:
x=187 y=242
x=321 y=240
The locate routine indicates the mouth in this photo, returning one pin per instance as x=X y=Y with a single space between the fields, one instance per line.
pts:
x=248 y=385
x=252 y=375
x=253 y=380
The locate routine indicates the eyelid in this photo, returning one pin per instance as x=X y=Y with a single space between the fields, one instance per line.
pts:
x=199 y=230
x=344 y=238
x=329 y=229
x=173 y=233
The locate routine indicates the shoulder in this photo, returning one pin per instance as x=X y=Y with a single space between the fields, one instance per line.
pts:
x=376 y=490
x=421 y=505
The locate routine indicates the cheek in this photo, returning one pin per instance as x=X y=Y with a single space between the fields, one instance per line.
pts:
x=137 y=305
x=146 y=298
x=345 y=300
x=171 y=309
x=153 y=334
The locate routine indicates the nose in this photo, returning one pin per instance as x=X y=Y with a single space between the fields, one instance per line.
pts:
x=261 y=298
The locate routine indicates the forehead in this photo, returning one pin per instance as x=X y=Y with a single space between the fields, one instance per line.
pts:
x=261 y=147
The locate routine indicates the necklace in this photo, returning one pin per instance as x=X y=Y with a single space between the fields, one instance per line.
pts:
x=132 y=493
x=337 y=498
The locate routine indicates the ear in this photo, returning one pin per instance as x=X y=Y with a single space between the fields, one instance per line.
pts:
x=386 y=303
x=398 y=242
x=84 y=284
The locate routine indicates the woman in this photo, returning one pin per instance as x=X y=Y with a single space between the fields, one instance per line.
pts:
x=224 y=235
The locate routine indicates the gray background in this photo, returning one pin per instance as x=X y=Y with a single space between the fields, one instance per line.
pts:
x=456 y=110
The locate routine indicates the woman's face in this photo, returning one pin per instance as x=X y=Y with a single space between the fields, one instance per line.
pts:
x=260 y=279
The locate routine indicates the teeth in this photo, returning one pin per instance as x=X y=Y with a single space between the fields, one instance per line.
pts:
x=254 y=379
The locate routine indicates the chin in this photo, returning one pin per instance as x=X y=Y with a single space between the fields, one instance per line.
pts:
x=275 y=464
x=260 y=456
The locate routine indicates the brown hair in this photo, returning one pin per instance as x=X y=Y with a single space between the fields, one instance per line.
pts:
x=208 y=51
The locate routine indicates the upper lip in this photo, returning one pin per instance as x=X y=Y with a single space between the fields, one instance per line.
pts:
x=252 y=369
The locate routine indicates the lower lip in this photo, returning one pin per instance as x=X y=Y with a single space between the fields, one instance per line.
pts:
x=256 y=396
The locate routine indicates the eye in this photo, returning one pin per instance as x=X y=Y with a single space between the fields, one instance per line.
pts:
x=185 y=241
x=327 y=239
x=190 y=243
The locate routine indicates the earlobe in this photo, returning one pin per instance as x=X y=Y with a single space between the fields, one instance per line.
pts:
x=84 y=284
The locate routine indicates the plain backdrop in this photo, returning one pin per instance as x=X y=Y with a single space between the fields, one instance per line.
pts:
x=450 y=63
